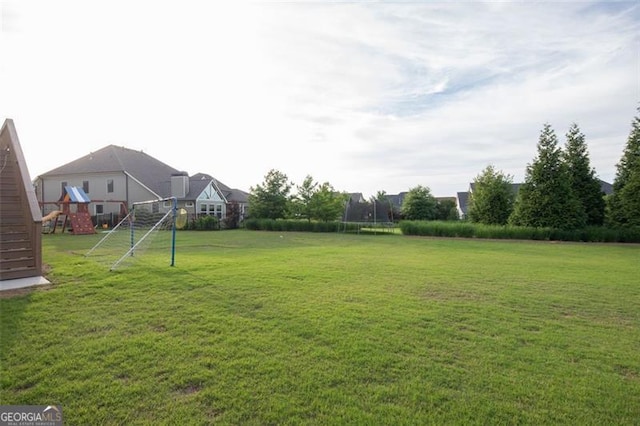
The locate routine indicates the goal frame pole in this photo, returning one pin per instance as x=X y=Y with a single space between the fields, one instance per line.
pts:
x=134 y=245
x=173 y=231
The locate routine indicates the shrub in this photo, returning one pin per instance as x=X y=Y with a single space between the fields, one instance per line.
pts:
x=471 y=230
x=282 y=225
x=204 y=223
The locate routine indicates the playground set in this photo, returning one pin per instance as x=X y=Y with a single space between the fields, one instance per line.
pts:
x=74 y=214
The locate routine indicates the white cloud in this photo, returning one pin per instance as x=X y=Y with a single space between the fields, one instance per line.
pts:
x=369 y=97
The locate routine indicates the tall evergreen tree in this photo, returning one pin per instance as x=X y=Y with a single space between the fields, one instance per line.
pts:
x=624 y=204
x=492 y=197
x=586 y=186
x=546 y=198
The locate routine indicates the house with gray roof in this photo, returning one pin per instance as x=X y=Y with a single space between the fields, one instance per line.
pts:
x=462 y=203
x=396 y=200
x=115 y=177
x=205 y=195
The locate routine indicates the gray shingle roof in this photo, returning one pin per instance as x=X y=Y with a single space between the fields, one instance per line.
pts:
x=150 y=172
x=230 y=194
x=606 y=187
x=397 y=199
x=355 y=197
x=463 y=202
x=196 y=186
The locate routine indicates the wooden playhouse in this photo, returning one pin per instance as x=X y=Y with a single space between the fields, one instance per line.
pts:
x=75 y=211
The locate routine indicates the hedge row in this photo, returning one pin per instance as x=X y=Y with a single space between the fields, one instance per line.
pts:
x=459 y=229
x=473 y=230
x=298 y=225
x=203 y=223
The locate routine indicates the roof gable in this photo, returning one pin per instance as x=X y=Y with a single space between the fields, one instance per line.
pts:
x=202 y=189
x=75 y=195
x=229 y=194
x=463 y=202
x=112 y=159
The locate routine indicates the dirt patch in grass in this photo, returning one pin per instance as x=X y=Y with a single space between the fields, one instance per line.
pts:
x=185 y=391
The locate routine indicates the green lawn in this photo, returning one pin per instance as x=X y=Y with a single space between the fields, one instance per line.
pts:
x=269 y=328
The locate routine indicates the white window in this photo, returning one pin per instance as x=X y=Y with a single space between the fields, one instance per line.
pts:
x=211 y=209
x=188 y=204
x=109 y=186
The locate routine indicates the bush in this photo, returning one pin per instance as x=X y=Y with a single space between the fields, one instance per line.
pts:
x=204 y=223
x=282 y=225
x=459 y=229
x=471 y=230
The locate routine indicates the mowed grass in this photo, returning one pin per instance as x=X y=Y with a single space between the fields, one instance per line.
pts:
x=269 y=328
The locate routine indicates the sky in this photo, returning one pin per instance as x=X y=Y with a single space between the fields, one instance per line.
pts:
x=368 y=96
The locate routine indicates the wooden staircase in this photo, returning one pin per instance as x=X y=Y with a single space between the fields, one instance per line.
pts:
x=17 y=252
x=20 y=218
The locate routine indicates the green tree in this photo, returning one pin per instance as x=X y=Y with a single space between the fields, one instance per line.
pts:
x=492 y=197
x=624 y=203
x=630 y=197
x=327 y=204
x=446 y=210
x=546 y=198
x=584 y=183
x=419 y=204
x=270 y=200
x=302 y=203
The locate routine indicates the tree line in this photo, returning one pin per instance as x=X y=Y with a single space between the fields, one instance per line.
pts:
x=274 y=199
x=560 y=190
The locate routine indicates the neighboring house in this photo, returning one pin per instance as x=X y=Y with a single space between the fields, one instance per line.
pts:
x=116 y=176
x=356 y=197
x=202 y=194
x=462 y=203
x=396 y=201
x=464 y=198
